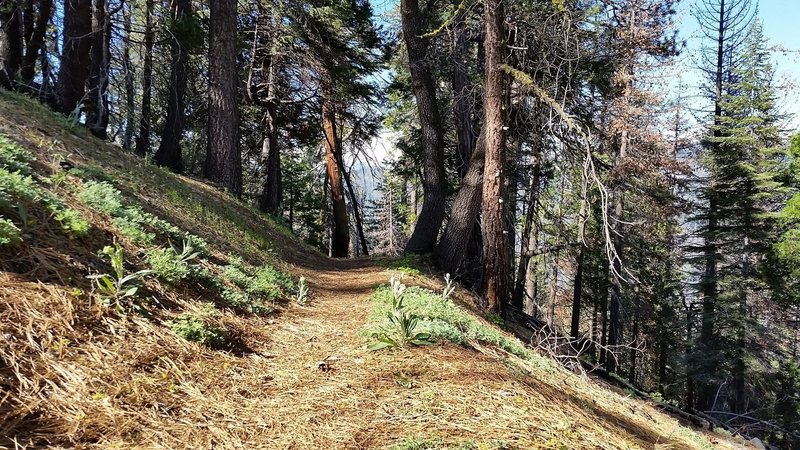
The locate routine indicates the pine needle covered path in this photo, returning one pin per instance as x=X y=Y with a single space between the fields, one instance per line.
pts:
x=79 y=373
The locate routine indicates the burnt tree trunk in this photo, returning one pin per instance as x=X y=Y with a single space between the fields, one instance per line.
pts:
x=494 y=224
x=434 y=183
x=73 y=70
x=223 y=163
x=169 y=150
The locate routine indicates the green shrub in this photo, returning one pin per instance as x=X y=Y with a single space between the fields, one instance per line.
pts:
x=13 y=157
x=133 y=231
x=167 y=265
x=401 y=326
x=119 y=287
x=101 y=196
x=9 y=233
x=90 y=173
x=15 y=187
x=198 y=327
x=73 y=222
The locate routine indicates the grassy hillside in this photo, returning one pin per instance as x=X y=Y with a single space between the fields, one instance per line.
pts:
x=208 y=343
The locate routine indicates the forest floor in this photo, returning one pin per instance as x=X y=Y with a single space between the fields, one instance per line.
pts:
x=75 y=375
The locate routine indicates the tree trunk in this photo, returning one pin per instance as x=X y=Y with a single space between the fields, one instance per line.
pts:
x=434 y=183
x=130 y=87
x=97 y=110
x=709 y=282
x=74 y=68
x=529 y=236
x=35 y=43
x=615 y=308
x=10 y=42
x=223 y=156
x=577 y=287
x=271 y=192
x=169 y=150
x=452 y=247
x=362 y=239
x=494 y=224
x=143 y=139
x=462 y=106
x=340 y=235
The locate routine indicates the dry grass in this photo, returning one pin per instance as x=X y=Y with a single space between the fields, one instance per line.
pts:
x=75 y=375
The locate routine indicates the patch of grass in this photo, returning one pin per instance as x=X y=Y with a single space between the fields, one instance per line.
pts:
x=443 y=319
x=90 y=173
x=407 y=264
x=401 y=326
x=199 y=327
x=420 y=443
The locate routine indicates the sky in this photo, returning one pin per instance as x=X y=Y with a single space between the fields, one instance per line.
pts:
x=781 y=21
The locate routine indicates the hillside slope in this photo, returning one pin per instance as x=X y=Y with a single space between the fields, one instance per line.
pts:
x=78 y=370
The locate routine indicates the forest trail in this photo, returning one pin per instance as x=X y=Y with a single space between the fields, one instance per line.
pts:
x=81 y=375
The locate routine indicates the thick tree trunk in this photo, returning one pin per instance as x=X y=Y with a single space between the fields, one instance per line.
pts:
x=223 y=163
x=452 y=247
x=10 y=42
x=74 y=68
x=143 y=139
x=35 y=42
x=494 y=224
x=462 y=105
x=434 y=183
x=169 y=150
x=340 y=235
x=97 y=110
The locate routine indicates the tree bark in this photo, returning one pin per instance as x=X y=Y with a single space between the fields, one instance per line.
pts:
x=143 y=139
x=130 y=88
x=271 y=192
x=223 y=163
x=97 y=110
x=434 y=183
x=340 y=235
x=10 y=42
x=462 y=107
x=615 y=307
x=74 y=68
x=494 y=224
x=169 y=150
x=577 y=287
x=35 y=43
x=452 y=247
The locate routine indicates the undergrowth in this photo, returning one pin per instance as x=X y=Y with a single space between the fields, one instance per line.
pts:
x=199 y=327
x=444 y=320
x=22 y=195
